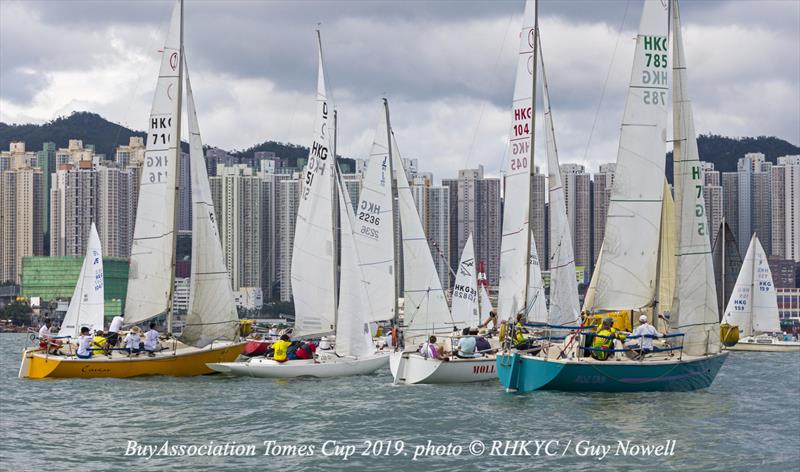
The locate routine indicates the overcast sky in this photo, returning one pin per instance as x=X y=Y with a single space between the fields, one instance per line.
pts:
x=446 y=67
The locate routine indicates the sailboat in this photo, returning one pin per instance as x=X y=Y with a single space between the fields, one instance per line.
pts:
x=753 y=306
x=87 y=305
x=318 y=309
x=464 y=300
x=212 y=326
x=627 y=269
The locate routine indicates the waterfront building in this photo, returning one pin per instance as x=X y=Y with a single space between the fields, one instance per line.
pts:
x=21 y=208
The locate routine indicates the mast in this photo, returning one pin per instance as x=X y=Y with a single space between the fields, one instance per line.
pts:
x=722 y=266
x=178 y=152
x=532 y=136
x=394 y=187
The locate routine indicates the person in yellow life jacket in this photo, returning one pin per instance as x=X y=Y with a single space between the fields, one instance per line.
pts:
x=280 y=348
x=606 y=334
x=520 y=342
x=99 y=344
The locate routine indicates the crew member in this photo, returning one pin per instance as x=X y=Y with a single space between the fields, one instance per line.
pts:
x=151 y=341
x=45 y=338
x=113 y=331
x=132 y=341
x=604 y=339
x=100 y=343
x=280 y=347
x=647 y=332
x=84 y=344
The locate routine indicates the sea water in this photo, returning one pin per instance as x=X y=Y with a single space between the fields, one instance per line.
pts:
x=749 y=419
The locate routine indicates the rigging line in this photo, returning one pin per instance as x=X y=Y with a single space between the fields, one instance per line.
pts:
x=483 y=105
x=605 y=83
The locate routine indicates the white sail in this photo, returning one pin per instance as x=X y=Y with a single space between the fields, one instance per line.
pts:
x=153 y=251
x=375 y=227
x=426 y=310
x=537 y=305
x=486 y=303
x=627 y=277
x=313 y=259
x=353 y=337
x=464 y=304
x=695 y=302
x=564 y=302
x=211 y=314
x=514 y=244
x=753 y=306
x=87 y=305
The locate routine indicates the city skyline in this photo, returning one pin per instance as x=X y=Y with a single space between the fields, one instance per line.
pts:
x=449 y=104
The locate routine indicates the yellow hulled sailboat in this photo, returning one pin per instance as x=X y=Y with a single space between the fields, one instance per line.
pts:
x=210 y=334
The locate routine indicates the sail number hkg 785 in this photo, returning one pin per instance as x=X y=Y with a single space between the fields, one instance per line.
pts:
x=654 y=73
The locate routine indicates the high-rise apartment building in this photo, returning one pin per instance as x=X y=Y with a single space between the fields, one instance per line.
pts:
x=184 y=194
x=131 y=154
x=74 y=153
x=433 y=206
x=21 y=206
x=755 y=201
x=713 y=197
x=73 y=208
x=288 y=203
x=787 y=199
x=272 y=234
x=730 y=201
x=46 y=160
x=536 y=218
x=601 y=198
x=115 y=209
x=577 y=184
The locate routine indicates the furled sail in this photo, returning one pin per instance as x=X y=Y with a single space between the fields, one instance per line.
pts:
x=153 y=251
x=514 y=245
x=564 y=306
x=627 y=277
x=375 y=227
x=313 y=258
x=464 y=304
x=753 y=307
x=87 y=305
x=353 y=337
x=426 y=310
x=695 y=303
x=211 y=314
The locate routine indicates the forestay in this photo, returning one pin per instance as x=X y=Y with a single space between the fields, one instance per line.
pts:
x=313 y=270
x=564 y=303
x=353 y=337
x=514 y=244
x=152 y=252
x=211 y=314
x=695 y=303
x=374 y=227
x=464 y=304
x=626 y=278
x=87 y=305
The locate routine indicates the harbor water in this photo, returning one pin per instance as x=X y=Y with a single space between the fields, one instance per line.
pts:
x=749 y=419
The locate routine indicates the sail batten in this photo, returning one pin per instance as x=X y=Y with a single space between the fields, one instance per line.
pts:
x=151 y=275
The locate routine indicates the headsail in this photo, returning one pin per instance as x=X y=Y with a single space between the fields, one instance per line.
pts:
x=375 y=228
x=464 y=304
x=150 y=282
x=537 y=305
x=695 y=303
x=626 y=279
x=353 y=337
x=514 y=246
x=727 y=264
x=313 y=259
x=211 y=314
x=666 y=255
x=564 y=302
x=753 y=307
x=87 y=305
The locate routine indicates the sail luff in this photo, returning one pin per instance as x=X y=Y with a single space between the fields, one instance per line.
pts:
x=564 y=306
x=151 y=278
x=314 y=289
x=514 y=245
x=626 y=278
x=695 y=303
x=211 y=314
x=87 y=305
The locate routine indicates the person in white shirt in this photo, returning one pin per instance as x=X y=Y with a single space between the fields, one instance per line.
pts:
x=151 y=340
x=45 y=338
x=646 y=333
x=273 y=333
x=113 y=331
x=84 y=344
x=132 y=341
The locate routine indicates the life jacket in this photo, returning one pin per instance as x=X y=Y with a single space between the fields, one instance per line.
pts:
x=603 y=342
x=98 y=343
x=518 y=336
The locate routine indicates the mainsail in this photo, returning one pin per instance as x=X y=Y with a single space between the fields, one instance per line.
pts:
x=211 y=314
x=753 y=307
x=87 y=305
x=150 y=282
x=514 y=246
x=537 y=305
x=375 y=227
x=694 y=308
x=313 y=258
x=426 y=310
x=727 y=264
x=564 y=303
x=626 y=279
x=464 y=304
x=353 y=337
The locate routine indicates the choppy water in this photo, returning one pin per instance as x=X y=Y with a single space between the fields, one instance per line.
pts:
x=749 y=419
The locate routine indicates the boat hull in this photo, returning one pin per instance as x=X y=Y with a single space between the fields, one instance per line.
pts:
x=337 y=367
x=184 y=362
x=412 y=368
x=775 y=345
x=256 y=347
x=523 y=374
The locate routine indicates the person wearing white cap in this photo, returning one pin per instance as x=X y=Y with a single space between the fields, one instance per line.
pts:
x=646 y=332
